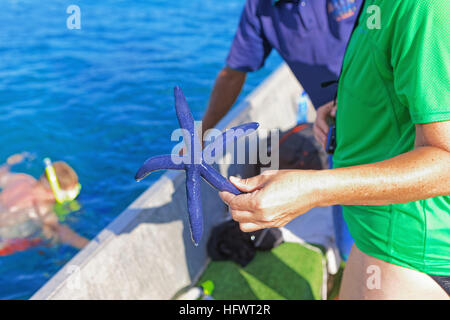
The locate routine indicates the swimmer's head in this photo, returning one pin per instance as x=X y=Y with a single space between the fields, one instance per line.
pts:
x=67 y=177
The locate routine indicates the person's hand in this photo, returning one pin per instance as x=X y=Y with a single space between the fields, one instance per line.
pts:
x=321 y=125
x=17 y=158
x=273 y=198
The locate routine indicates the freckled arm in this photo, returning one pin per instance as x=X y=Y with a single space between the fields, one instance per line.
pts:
x=416 y=175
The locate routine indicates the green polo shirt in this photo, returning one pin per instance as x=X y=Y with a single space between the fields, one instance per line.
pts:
x=394 y=77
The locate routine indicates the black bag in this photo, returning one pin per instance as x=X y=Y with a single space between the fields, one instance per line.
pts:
x=298 y=149
x=228 y=242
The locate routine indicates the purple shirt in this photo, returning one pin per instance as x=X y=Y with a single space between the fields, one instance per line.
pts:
x=310 y=35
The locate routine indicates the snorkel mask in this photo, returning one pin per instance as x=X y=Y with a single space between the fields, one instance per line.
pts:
x=61 y=196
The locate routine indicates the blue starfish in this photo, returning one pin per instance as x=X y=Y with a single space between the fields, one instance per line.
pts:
x=196 y=167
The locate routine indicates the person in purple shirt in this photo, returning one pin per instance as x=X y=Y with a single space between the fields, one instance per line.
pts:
x=311 y=36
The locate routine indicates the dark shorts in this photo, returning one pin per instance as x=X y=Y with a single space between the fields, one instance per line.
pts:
x=443 y=282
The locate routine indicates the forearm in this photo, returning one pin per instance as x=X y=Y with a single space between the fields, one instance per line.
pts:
x=419 y=174
x=4 y=171
x=65 y=235
x=228 y=85
x=12 y=160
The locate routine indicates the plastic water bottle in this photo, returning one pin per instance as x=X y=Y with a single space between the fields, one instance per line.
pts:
x=302 y=108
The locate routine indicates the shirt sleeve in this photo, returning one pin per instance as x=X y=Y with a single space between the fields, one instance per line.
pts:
x=421 y=59
x=250 y=48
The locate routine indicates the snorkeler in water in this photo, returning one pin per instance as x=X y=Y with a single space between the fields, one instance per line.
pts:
x=27 y=214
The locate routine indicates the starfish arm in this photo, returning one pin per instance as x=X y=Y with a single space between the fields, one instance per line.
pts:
x=184 y=115
x=218 y=181
x=194 y=203
x=157 y=163
x=186 y=121
x=229 y=135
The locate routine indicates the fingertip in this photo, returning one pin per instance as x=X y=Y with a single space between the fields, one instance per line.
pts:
x=234 y=179
x=225 y=196
x=248 y=227
x=237 y=182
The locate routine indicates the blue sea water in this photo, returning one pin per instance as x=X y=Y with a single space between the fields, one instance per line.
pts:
x=101 y=99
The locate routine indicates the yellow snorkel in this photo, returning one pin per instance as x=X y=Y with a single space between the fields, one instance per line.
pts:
x=61 y=196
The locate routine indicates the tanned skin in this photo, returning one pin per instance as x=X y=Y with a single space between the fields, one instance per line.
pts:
x=23 y=192
x=226 y=89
